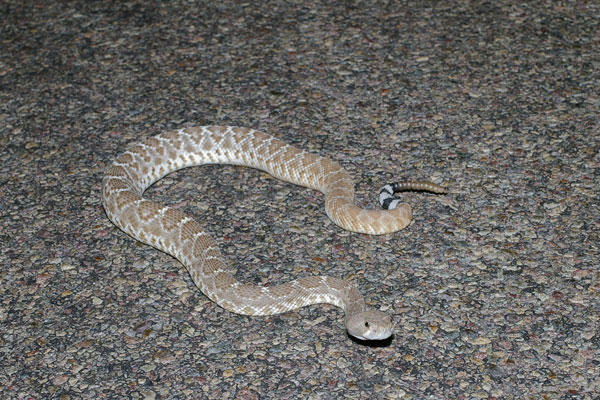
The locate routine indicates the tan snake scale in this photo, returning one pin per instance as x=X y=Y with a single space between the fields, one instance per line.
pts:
x=173 y=232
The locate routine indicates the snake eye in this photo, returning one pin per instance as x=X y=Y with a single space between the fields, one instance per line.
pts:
x=366 y=324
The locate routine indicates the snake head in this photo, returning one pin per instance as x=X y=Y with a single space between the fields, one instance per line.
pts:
x=369 y=325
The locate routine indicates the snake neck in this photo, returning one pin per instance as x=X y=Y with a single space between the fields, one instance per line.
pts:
x=353 y=301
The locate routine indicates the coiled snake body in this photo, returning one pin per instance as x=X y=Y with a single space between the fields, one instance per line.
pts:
x=173 y=232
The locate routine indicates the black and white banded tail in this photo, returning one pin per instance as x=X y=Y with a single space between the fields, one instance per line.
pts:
x=388 y=201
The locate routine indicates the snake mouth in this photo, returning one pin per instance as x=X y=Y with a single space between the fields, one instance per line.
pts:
x=384 y=335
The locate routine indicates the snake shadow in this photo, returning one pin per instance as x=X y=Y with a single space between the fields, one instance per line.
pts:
x=372 y=343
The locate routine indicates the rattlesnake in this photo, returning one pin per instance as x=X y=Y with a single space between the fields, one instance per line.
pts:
x=171 y=231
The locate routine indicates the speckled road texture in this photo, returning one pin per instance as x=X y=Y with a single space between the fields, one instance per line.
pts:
x=494 y=288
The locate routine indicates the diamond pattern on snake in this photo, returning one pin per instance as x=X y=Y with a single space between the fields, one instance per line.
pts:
x=177 y=234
